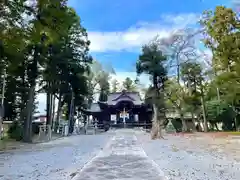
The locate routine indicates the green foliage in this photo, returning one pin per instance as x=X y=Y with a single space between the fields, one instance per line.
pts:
x=222 y=27
x=220 y=111
x=104 y=86
x=129 y=85
x=49 y=46
x=170 y=128
x=115 y=86
x=222 y=37
x=151 y=62
x=214 y=109
x=99 y=80
x=191 y=73
x=177 y=123
x=15 y=131
x=176 y=95
x=192 y=76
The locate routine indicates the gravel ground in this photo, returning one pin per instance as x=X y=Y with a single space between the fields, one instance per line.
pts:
x=56 y=160
x=127 y=155
x=194 y=158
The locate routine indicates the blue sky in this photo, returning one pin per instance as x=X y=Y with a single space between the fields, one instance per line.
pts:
x=117 y=29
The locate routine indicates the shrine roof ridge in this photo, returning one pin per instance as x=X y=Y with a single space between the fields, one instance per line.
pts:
x=114 y=98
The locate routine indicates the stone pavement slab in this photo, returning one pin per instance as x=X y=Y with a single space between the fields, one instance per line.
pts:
x=122 y=159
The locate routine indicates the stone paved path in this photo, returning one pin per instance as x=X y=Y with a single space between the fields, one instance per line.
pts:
x=121 y=159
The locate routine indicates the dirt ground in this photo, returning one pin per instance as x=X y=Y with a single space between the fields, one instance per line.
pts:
x=208 y=156
x=10 y=144
x=225 y=143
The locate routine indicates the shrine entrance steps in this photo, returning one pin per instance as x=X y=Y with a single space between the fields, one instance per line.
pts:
x=122 y=159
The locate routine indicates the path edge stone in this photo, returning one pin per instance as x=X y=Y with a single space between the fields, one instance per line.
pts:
x=154 y=164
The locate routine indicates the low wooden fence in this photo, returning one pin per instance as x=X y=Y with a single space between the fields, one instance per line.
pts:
x=132 y=125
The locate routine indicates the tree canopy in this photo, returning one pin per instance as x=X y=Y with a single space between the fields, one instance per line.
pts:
x=44 y=48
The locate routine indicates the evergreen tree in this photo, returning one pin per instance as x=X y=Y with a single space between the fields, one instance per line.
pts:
x=151 y=61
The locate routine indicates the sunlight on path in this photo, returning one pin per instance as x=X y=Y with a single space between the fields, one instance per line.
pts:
x=122 y=159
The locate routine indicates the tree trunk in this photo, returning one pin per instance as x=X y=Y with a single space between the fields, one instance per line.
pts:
x=217 y=88
x=2 y=103
x=156 y=131
x=58 y=111
x=204 y=115
x=155 y=127
x=184 y=124
x=215 y=124
x=1 y=126
x=71 y=110
x=178 y=73
x=24 y=98
x=235 y=117
x=48 y=107
x=27 y=133
x=53 y=109
x=194 y=122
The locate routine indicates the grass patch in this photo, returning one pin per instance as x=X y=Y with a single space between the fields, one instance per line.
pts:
x=235 y=133
x=222 y=134
x=8 y=144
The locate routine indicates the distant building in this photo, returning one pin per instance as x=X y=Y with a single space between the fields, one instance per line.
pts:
x=40 y=118
x=121 y=108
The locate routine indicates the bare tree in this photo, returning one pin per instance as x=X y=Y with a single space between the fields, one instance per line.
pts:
x=180 y=47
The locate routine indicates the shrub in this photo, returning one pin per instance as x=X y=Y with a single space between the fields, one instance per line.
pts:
x=15 y=131
x=177 y=123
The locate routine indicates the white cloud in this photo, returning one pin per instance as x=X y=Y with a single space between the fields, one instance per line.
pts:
x=131 y=40
x=236 y=5
x=182 y=20
x=134 y=37
x=117 y=41
x=236 y=2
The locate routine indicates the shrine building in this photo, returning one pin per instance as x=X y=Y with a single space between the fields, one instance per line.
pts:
x=122 y=109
